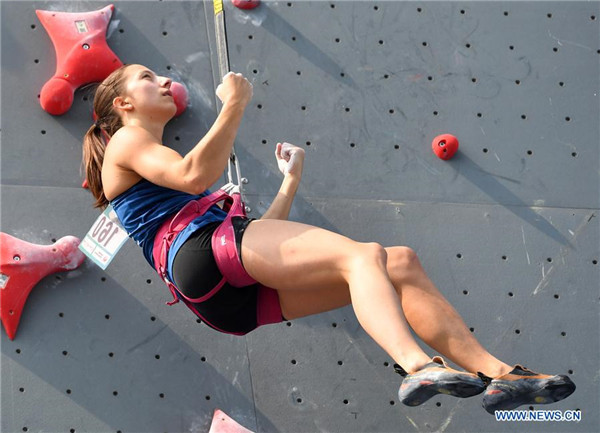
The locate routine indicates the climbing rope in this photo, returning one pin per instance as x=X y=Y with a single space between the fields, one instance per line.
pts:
x=230 y=187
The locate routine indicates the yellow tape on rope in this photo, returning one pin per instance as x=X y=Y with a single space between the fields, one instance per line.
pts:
x=218 y=6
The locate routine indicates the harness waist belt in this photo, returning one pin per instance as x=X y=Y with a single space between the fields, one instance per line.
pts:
x=223 y=243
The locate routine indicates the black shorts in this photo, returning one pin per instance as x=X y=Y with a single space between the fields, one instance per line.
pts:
x=231 y=309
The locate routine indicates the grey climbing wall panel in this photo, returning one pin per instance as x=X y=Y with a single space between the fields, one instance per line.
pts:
x=508 y=229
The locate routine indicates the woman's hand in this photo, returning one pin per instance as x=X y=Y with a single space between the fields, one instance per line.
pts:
x=234 y=89
x=290 y=159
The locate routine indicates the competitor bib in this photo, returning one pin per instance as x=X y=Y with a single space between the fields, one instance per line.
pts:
x=105 y=238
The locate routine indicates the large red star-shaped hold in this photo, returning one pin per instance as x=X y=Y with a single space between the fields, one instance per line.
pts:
x=82 y=54
x=23 y=265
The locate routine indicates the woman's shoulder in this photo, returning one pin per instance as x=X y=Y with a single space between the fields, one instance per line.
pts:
x=116 y=177
x=130 y=134
x=126 y=143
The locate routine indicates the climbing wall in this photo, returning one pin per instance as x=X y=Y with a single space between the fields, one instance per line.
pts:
x=508 y=229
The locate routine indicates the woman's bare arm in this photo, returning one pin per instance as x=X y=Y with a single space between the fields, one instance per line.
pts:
x=137 y=150
x=290 y=160
x=282 y=204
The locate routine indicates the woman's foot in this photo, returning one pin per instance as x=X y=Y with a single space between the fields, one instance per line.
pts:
x=436 y=378
x=522 y=386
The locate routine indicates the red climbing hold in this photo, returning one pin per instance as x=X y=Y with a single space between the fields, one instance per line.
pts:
x=221 y=423
x=445 y=146
x=82 y=54
x=23 y=265
x=246 y=4
x=180 y=96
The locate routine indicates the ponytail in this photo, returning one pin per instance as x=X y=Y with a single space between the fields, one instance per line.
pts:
x=94 y=147
x=98 y=135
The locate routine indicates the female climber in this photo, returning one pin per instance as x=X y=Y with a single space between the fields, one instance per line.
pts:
x=291 y=269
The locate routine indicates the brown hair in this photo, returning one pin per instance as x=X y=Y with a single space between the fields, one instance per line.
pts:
x=97 y=136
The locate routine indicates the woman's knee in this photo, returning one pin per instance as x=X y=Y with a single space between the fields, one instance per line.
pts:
x=402 y=262
x=369 y=253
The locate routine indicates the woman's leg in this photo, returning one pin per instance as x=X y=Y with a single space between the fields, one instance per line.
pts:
x=430 y=315
x=434 y=319
x=292 y=256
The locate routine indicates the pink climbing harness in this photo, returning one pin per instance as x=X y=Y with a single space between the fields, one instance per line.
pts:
x=225 y=253
x=223 y=244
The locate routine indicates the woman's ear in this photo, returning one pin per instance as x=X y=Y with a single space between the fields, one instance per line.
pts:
x=121 y=103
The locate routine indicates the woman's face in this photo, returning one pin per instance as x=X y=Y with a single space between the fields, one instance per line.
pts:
x=147 y=92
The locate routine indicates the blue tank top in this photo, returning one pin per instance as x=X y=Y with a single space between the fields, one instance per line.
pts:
x=144 y=207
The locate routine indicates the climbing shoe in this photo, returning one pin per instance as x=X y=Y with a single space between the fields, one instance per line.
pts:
x=436 y=378
x=522 y=386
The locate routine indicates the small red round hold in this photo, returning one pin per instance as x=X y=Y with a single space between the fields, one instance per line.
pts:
x=180 y=96
x=246 y=4
x=445 y=146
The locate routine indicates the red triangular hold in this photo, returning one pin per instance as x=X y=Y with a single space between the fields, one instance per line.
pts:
x=222 y=423
x=82 y=54
x=23 y=265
